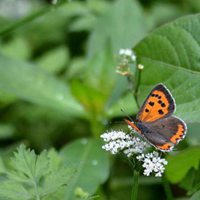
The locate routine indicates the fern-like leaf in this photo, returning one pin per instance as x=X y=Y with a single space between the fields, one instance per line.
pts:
x=34 y=177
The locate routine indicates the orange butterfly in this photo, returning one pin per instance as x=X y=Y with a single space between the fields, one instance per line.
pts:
x=155 y=122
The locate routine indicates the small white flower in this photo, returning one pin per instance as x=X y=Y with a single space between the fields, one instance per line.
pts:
x=121 y=52
x=54 y=2
x=128 y=52
x=118 y=141
x=152 y=163
x=140 y=66
x=127 y=55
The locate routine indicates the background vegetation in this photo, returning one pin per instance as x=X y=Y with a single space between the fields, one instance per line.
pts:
x=59 y=91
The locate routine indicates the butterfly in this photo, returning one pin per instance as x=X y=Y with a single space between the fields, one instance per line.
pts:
x=155 y=123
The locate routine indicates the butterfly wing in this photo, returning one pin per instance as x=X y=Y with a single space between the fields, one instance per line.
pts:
x=159 y=104
x=164 y=133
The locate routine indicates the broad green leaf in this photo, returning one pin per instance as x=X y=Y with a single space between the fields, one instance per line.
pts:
x=193 y=133
x=181 y=163
x=55 y=60
x=196 y=196
x=171 y=55
x=31 y=83
x=91 y=162
x=122 y=26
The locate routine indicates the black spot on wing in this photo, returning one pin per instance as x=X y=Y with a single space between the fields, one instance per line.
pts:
x=168 y=95
x=163 y=105
x=160 y=112
x=151 y=103
x=146 y=110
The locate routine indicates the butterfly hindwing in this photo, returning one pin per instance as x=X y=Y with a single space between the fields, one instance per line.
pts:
x=159 y=104
x=164 y=133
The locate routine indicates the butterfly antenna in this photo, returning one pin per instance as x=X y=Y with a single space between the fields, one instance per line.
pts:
x=128 y=116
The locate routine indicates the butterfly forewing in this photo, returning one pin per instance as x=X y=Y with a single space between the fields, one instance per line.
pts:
x=159 y=104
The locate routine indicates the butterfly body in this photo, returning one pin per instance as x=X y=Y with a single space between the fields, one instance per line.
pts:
x=155 y=123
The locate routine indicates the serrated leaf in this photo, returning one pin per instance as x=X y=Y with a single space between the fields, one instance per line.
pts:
x=28 y=166
x=91 y=162
x=32 y=176
x=171 y=54
x=196 y=196
x=31 y=83
x=181 y=163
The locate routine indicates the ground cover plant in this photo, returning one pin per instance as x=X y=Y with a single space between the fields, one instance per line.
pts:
x=64 y=85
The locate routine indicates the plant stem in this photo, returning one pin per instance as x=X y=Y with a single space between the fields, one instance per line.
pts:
x=167 y=189
x=138 y=74
x=11 y=27
x=134 y=193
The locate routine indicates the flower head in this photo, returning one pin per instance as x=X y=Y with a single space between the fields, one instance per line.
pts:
x=127 y=55
x=119 y=141
x=152 y=163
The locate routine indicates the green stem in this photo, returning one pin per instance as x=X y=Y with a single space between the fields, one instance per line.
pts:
x=36 y=191
x=137 y=86
x=25 y=20
x=167 y=189
x=134 y=193
x=96 y=126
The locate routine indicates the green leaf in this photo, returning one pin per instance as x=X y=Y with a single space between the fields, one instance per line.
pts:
x=191 y=182
x=128 y=27
x=126 y=103
x=31 y=83
x=6 y=131
x=92 y=165
x=32 y=176
x=196 y=196
x=93 y=91
x=11 y=49
x=181 y=163
x=55 y=60
x=171 y=55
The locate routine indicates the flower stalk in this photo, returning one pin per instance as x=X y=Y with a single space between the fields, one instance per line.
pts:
x=134 y=193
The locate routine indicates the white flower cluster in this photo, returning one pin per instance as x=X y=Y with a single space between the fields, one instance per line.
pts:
x=127 y=55
x=118 y=141
x=152 y=163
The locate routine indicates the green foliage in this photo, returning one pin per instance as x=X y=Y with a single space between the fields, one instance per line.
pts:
x=58 y=83
x=196 y=196
x=171 y=55
x=55 y=60
x=129 y=27
x=6 y=131
x=92 y=166
x=181 y=163
x=30 y=176
x=31 y=83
